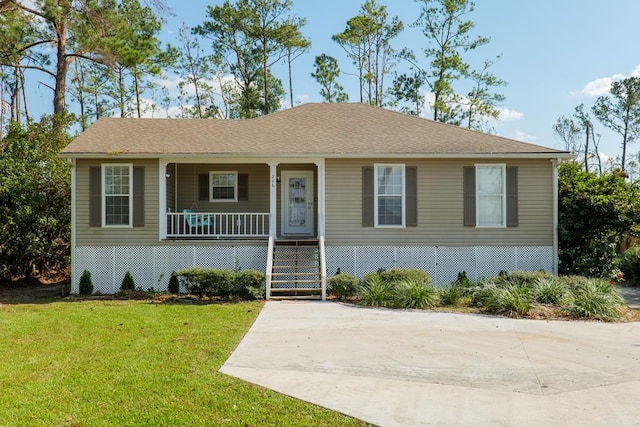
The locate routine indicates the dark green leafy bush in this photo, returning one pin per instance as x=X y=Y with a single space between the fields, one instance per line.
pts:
x=519 y=277
x=128 y=283
x=343 y=285
x=629 y=264
x=249 y=284
x=86 y=284
x=174 y=284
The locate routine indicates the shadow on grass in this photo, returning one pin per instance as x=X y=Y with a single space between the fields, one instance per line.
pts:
x=23 y=292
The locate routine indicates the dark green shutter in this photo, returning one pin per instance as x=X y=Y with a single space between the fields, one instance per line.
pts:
x=469 y=197
x=203 y=187
x=411 y=196
x=95 y=196
x=367 y=196
x=512 y=196
x=138 y=196
x=243 y=187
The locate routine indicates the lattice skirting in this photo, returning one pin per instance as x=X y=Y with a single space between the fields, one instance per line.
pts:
x=442 y=263
x=151 y=267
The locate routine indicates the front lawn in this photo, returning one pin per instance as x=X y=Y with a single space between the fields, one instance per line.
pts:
x=88 y=363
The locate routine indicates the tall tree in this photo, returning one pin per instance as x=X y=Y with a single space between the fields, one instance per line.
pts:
x=251 y=36
x=578 y=135
x=449 y=36
x=326 y=72
x=296 y=45
x=367 y=42
x=481 y=103
x=75 y=29
x=620 y=111
x=407 y=89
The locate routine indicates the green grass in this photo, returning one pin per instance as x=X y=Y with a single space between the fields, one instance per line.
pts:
x=104 y=363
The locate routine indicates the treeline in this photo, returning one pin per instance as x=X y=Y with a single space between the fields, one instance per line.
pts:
x=104 y=58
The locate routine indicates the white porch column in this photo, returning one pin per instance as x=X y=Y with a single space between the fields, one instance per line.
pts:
x=74 y=279
x=321 y=198
x=273 y=199
x=162 y=199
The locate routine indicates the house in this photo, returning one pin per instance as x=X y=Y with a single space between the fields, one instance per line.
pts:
x=303 y=192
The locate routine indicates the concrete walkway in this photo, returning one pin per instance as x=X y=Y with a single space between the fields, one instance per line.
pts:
x=409 y=368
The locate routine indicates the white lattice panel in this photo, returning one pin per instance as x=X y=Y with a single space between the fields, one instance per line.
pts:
x=490 y=260
x=442 y=263
x=453 y=260
x=151 y=267
x=533 y=258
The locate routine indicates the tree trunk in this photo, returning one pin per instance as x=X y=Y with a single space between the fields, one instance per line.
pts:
x=136 y=84
x=265 y=109
x=24 y=97
x=61 y=66
x=586 y=150
x=290 y=76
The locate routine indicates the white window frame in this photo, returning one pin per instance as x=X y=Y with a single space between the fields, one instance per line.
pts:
x=503 y=166
x=104 y=195
x=376 y=166
x=235 y=186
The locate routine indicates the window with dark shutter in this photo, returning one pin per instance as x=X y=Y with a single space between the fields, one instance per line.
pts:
x=469 y=195
x=243 y=187
x=367 y=197
x=138 y=196
x=95 y=196
x=411 y=196
x=512 y=196
x=203 y=187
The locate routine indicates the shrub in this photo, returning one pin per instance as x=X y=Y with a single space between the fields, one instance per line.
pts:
x=512 y=300
x=596 y=299
x=209 y=282
x=127 y=282
x=343 y=285
x=397 y=275
x=481 y=291
x=411 y=294
x=375 y=292
x=550 y=291
x=174 y=284
x=249 y=284
x=629 y=264
x=86 y=284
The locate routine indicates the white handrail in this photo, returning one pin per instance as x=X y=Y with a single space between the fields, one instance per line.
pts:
x=269 y=268
x=323 y=268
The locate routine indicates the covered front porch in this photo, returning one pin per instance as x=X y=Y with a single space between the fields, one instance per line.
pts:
x=232 y=200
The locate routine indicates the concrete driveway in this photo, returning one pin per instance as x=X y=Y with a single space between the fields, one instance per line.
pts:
x=410 y=368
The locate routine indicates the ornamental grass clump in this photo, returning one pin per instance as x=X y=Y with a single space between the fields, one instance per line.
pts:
x=375 y=292
x=550 y=291
x=415 y=294
x=512 y=300
x=596 y=299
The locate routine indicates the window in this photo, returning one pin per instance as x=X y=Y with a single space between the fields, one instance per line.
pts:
x=224 y=186
x=117 y=195
x=491 y=195
x=389 y=195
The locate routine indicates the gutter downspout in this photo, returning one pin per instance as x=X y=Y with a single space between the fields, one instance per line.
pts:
x=555 y=163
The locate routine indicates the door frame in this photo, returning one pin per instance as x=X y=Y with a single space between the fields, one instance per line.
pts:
x=310 y=193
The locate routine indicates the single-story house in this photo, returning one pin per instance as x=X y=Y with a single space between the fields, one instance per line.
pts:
x=306 y=191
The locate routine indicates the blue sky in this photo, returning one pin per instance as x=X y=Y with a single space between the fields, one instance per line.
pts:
x=556 y=54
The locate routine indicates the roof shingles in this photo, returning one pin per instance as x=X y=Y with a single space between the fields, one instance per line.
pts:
x=309 y=129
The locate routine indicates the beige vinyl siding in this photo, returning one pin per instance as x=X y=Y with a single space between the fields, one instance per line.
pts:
x=113 y=236
x=187 y=188
x=440 y=206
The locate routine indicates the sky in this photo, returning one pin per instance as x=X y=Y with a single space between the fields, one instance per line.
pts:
x=555 y=54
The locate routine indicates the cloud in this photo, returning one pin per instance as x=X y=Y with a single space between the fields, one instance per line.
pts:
x=523 y=136
x=507 y=115
x=602 y=85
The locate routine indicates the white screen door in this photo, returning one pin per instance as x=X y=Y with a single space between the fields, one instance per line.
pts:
x=297 y=203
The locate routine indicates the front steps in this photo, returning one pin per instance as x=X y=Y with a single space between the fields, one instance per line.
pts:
x=296 y=271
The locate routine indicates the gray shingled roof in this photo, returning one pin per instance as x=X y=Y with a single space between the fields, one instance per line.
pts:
x=330 y=130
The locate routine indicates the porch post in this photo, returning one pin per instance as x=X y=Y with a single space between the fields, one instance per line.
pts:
x=273 y=198
x=321 y=178
x=162 y=199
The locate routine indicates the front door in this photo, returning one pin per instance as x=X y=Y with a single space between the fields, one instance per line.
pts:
x=297 y=203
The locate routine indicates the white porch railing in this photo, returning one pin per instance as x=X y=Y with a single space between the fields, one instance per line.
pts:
x=217 y=225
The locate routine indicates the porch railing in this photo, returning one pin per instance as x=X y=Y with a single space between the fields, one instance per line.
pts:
x=217 y=225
